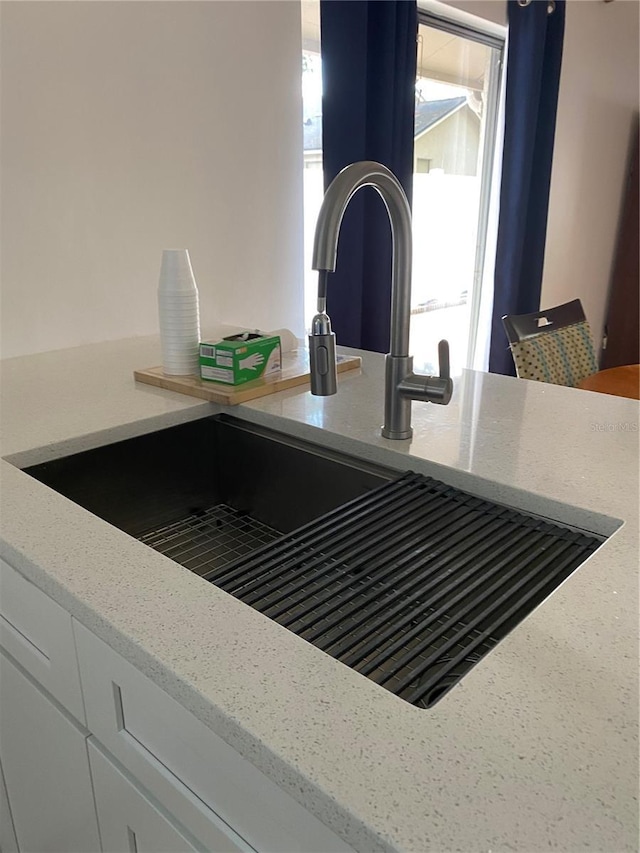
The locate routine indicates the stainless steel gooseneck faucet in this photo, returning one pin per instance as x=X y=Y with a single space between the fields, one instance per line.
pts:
x=402 y=385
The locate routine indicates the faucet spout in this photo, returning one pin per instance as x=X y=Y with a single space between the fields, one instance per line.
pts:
x=325 y=246
x=401 y=385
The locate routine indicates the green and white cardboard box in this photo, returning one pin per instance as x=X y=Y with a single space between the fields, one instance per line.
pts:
x=240 y=358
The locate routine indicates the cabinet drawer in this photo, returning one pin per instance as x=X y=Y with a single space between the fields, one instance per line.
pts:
x=37 y=633
x=167 y=749
x=128 y=819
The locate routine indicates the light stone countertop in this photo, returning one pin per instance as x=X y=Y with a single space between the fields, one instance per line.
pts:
x=536 y=747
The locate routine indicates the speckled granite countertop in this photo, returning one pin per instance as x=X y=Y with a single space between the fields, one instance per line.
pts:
x=536 y=748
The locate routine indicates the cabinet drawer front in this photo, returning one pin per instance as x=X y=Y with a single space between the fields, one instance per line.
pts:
x=129 y=821
x=165 y=747
x=37 y=632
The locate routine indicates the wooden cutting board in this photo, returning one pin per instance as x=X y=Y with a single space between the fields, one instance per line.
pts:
x=295 y=371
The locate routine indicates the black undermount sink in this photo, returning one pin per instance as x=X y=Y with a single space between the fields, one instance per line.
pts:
x=401 y=577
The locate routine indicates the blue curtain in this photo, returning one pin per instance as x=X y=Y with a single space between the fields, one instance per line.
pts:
x=368 y=74
x=536 y=32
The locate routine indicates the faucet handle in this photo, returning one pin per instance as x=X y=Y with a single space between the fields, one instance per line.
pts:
x=443 y=359
x=430 y=389
x=441 y=388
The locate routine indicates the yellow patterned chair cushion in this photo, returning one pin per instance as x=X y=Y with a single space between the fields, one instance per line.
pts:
x=562 y=357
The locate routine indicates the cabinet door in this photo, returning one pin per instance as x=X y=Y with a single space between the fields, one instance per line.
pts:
x=46 y=769
x=8 y=842
x=129 y=821
x=37 y=633
x=201 y=780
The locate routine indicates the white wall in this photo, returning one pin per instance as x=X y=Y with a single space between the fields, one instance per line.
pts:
x=597 y=103
x=490 y=10
x=598 y=100
x=129 y=127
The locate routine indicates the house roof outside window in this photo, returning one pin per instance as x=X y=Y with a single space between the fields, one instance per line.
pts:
x=428 y=115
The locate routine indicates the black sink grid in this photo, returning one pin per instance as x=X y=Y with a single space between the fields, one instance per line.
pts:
x=411 y=584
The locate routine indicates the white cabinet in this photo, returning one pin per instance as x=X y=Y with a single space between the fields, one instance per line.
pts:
x=202 y=781
x=162 y=780
x=44 y=759
x=129 y=821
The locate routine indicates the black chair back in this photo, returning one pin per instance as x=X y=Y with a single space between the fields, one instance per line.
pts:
x=519 y=327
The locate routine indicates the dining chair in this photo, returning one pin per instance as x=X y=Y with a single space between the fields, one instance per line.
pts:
x=555 y=345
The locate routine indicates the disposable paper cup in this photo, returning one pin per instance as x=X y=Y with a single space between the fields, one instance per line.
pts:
x=180 y=366
x=185 y=326
x=177 y=357
x=186 y=329
x=192 y=315
x=180 y=345
x=178 y=310
x=179 y=349
x=178 y=300
x=180 y=319
x=180 y=337
x=171 y=370
x=186 y=335
x=175 y=271
x=179 y=340
x=188 y=366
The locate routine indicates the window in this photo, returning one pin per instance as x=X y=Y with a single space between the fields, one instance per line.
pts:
x=455 y=119
x=454 y=141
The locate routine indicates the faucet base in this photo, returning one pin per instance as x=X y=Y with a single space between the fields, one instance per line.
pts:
x=385 y=432
x=397 y=408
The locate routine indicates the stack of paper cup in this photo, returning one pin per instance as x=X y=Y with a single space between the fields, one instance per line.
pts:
x=179 y=314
